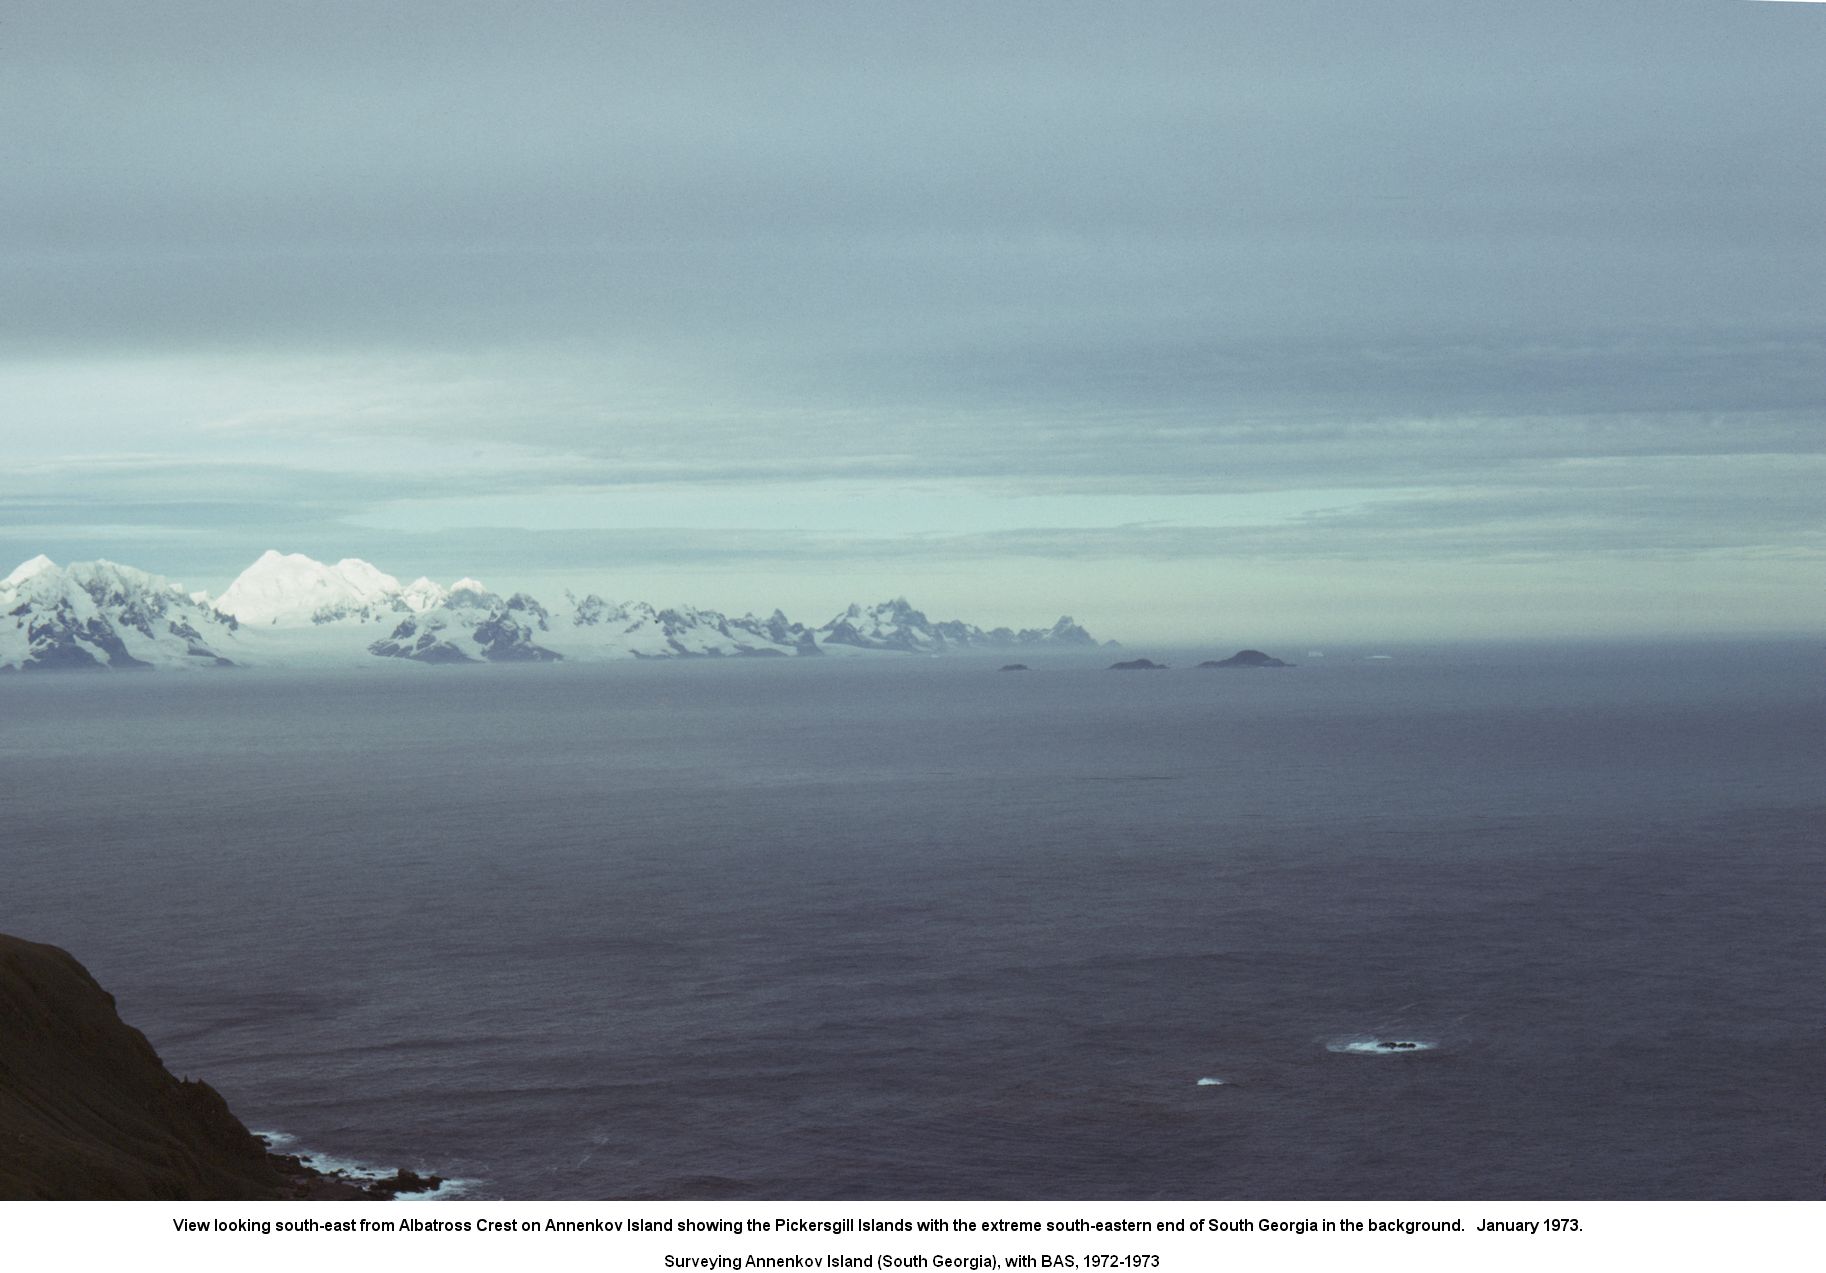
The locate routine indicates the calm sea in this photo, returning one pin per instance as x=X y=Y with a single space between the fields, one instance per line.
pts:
x=915 y=928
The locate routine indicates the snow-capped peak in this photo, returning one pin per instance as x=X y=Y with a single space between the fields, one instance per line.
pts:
x=421 y=594
x=291 y=588
x=466 y=584
x=26 y=569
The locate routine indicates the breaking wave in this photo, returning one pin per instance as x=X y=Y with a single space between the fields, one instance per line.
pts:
x=1373 y=1045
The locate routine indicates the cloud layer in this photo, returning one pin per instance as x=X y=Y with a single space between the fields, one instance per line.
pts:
x=934 y=293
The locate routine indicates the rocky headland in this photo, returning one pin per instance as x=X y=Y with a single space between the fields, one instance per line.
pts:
x=88 y=1111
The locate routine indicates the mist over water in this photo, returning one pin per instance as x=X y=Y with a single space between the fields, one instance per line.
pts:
x=913 y=928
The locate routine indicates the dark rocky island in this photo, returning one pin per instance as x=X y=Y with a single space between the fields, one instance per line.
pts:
x=1013 y=667
x=1138 y=665
x=88 y=1111
x=1246 y=658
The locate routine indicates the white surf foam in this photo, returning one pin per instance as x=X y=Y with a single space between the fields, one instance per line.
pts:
x=1373 y=1045
x=1210 y=1082
x=362 y=1172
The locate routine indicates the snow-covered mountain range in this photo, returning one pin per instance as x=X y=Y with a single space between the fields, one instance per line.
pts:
x=287 y=609
x=96 y=614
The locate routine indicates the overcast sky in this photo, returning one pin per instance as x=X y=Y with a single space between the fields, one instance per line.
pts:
x=1218 y=321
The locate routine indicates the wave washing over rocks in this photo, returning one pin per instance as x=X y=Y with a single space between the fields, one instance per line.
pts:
x=288 y=609
x=401 y=1184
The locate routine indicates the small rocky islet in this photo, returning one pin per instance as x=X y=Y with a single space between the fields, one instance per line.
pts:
x=1246 y=658
x=1242 y=658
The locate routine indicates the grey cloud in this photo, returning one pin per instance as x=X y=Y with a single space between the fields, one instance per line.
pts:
x=1082 y=454
x=1088 y=452
x=465 y=172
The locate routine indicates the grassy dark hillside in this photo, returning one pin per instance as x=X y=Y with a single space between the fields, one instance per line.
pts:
x=87 y=1110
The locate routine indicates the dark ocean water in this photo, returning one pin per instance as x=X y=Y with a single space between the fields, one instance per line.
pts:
x=908 y=928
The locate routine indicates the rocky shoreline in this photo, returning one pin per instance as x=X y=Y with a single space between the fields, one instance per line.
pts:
x=89 y=1112
x=306 y=1183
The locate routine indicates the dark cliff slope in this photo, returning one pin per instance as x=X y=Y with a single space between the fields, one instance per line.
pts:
x=87 y=1110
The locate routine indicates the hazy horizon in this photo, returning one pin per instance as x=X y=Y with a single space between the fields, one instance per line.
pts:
x=1307 y=322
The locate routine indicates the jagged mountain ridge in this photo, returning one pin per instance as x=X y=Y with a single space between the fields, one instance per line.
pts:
x=896 y=625
x=472 y=625
x=288 y=608
x=685 y=632
x=99 y=615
